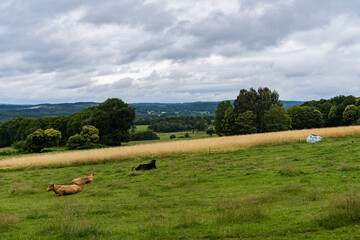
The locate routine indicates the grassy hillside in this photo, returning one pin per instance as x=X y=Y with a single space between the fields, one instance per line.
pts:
x=288 y=191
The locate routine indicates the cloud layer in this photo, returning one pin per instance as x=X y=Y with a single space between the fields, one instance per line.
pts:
x=177 y=51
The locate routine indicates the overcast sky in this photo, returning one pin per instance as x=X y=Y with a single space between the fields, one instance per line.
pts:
x=177 y=51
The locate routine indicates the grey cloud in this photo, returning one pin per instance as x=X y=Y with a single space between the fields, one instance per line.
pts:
x=123 y=83
x=55 y=50
x=130 y=12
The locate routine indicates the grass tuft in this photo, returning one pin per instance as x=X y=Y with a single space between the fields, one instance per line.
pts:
x=346 y=167
x=239 y=211
x=292 y=189
x=36 y=214
x=144 y=191
x=289 y=171
x=23 y=188
x=342 y=211
x=7 y=221
x=313 y=194
x=70 y=226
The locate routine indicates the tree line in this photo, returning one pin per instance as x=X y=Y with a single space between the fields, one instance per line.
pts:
x=111 y=119
x=178 y=124
x=255 y=111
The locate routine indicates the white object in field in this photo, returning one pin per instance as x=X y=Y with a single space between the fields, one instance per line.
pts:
x=314 y=138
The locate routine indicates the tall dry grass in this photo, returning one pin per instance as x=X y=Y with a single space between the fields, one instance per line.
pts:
x=196 y=145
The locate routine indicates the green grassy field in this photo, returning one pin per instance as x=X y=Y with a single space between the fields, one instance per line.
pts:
x=289 y=191
x=166 y=136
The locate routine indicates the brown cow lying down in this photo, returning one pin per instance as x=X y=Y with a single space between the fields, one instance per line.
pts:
x=61 y=190
x=83 y=180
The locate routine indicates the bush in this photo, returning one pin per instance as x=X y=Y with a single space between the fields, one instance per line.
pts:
x=35 y=141
x=75 y=141
x=38 y=140
x=172 y=136
x=186 y=135
x=19 y=145
x=144 y=135
x=88 y=136
x=52 y=137
x=210 y=132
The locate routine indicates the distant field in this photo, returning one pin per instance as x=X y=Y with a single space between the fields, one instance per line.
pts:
x=141 y=127
x=291 y=190
x=166 y=136
x=171 y=147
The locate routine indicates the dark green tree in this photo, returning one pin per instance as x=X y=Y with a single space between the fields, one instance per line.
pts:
x=350 y=114
x=258 y=102
x=276 y=119
x=236 y=124
x=219 y=116
x=305 y=117
x=114 y=119
x=200 y=125
x=144 y=135
x=210 y=132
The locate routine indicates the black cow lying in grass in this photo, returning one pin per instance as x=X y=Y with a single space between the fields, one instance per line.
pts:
x=146 y=166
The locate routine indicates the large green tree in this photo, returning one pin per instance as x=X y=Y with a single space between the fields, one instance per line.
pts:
x=219 y=116
x=276 y=119
x=258 y=102
x=305 y=117
x=238 y=123
x=350 y=114
x=114 y=119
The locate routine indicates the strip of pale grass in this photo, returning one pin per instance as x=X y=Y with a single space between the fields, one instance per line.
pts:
x=196 y=145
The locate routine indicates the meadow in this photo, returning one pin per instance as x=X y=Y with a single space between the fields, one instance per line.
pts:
x=156 y=148
x=279 y=190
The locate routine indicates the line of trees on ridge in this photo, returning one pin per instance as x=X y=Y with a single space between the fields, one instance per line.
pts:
x=260 y=110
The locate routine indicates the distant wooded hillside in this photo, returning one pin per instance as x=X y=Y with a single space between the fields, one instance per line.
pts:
x=142 y=110
x=10 y=112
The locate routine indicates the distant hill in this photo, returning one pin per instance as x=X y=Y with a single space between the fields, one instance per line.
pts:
x=143 y=110
x=10 y=112
x=289 y=104
x=152 y=110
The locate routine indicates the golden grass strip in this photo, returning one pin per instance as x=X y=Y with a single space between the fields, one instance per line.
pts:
x=196 y=145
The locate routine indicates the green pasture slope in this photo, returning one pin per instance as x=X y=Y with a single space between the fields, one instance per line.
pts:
x=290 y=191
